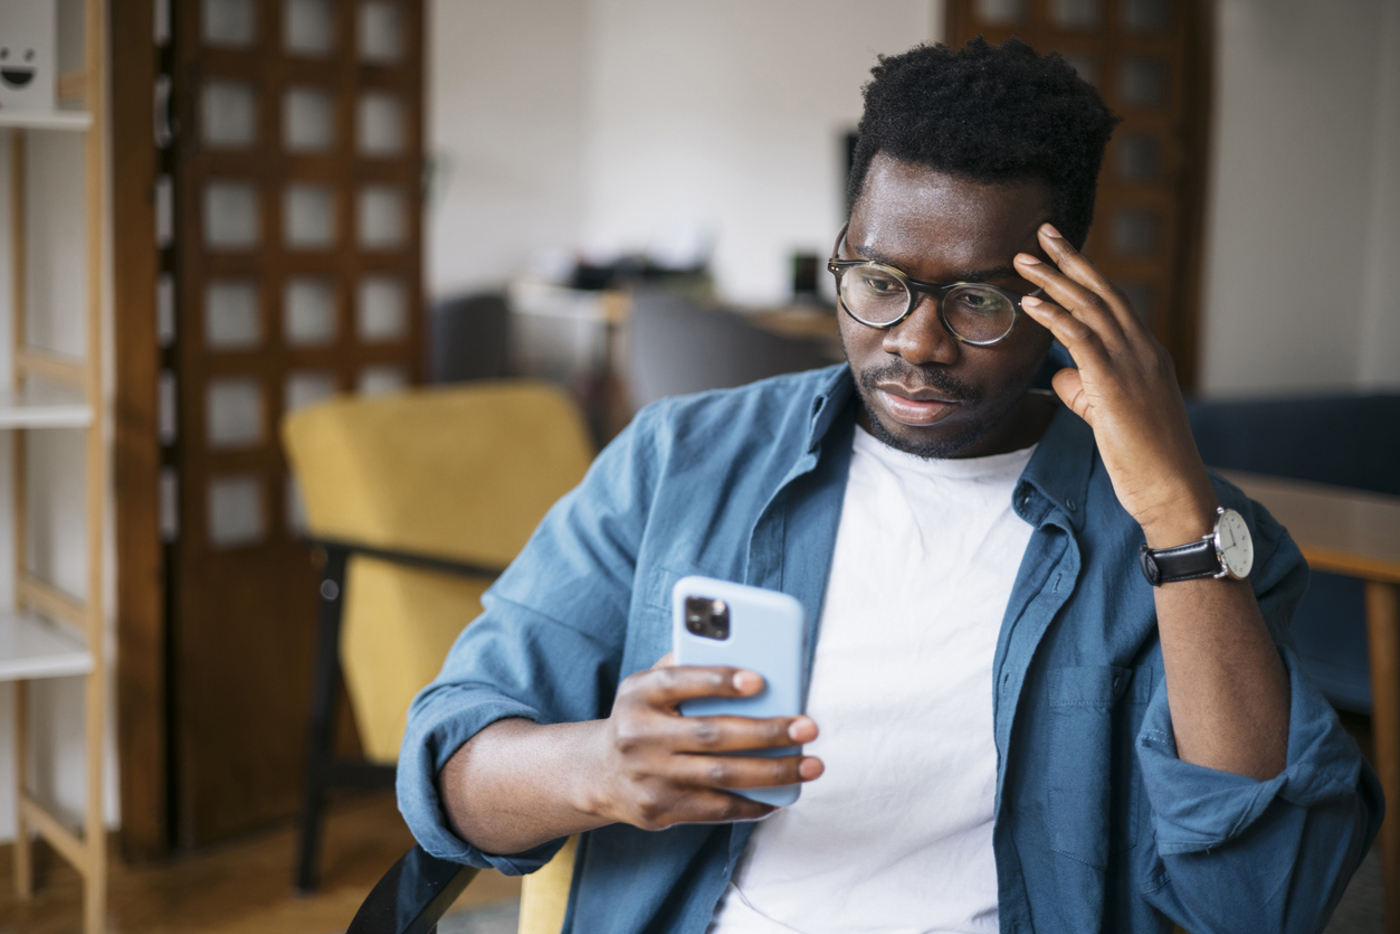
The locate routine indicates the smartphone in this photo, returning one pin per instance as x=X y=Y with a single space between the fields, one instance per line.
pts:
x=716 y=622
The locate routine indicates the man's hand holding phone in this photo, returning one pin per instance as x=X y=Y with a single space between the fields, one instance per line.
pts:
x=663 y=768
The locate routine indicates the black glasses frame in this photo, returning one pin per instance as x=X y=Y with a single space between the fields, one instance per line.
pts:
x=838 y=267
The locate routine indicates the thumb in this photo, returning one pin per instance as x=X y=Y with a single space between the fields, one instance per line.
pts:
x=666 y=661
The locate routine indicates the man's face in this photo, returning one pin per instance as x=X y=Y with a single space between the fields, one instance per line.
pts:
x=924 y=391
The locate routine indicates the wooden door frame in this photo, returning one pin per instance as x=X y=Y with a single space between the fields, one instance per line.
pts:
x=141 y=676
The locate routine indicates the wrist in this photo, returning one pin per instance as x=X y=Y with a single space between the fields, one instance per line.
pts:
x=1189 y=520
x=588 y=792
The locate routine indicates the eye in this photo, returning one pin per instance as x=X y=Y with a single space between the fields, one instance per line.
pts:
x=878 y=283
x=29 y=56
x=979 y=302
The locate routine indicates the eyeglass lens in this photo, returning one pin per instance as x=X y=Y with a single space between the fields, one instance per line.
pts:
x=973 y=312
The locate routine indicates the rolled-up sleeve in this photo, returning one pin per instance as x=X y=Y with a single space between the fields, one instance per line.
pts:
x=547 y=646
x=1241 y=854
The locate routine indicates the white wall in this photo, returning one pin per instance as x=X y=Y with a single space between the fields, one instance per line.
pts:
x=603 y=124
x=731 y=114
x=1301 y=288
x=507 y=96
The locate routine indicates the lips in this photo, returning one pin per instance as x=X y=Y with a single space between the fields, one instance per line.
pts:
x=915 y=408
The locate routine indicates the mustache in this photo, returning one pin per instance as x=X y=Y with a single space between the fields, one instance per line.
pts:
x=916 y=378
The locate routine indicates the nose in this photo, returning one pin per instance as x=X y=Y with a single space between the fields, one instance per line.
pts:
x=921 y=338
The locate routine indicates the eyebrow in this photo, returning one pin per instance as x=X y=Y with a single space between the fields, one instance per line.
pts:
x=958 y=275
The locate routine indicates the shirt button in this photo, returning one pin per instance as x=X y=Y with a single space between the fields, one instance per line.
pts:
x=1070 y=505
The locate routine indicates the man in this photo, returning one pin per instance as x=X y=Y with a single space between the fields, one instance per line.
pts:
x=1017 y=730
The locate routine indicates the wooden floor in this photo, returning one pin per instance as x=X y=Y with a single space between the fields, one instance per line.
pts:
x=242 y=887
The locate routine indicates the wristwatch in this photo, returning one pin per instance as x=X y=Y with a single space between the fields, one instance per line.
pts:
x=1227 y=551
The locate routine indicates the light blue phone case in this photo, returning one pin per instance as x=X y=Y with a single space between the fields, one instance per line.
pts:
x=765 y=635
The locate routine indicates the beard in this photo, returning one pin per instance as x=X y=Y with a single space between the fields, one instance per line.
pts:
x=994 y=410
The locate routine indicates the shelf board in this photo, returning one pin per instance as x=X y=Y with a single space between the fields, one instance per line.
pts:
x=34 y=648
x=45 y=119
x=52 y=408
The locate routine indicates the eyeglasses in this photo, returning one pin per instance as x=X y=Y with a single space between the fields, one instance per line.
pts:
x=880 y=296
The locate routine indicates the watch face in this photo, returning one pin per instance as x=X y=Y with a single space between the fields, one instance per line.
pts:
x=1235 y=544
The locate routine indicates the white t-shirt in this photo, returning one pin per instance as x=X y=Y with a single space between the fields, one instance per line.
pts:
x=896 y=836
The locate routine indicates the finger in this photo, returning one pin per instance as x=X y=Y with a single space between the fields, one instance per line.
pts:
x=746 y=771
x=1069 y=386
x=1083 y=303
x=666 y=661
x=733 y=734
x=704 y=806
x=1083 y=343
x=1080 y=269
x=667 y=687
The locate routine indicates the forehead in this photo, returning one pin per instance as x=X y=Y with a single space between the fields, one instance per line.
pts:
x=929 y=223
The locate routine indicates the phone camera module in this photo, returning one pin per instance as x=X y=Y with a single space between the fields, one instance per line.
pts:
x=707 y=618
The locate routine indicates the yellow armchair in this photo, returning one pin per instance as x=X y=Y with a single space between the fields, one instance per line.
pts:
x=419 y=499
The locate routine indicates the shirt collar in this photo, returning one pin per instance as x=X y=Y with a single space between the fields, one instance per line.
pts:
x=830 y=402
x=1059 y=469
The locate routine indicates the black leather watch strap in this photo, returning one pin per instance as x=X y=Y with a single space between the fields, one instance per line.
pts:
x=1181 y=563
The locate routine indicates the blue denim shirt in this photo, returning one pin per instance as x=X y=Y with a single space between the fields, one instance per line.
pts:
x=1099 y=826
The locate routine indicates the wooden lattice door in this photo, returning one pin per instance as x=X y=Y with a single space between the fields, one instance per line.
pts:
x=1150 y=60
x=295 y=260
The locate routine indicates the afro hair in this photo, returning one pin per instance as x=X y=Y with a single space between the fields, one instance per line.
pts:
x=991 y=114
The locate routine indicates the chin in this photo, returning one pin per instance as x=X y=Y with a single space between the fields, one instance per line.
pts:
x=945 y=445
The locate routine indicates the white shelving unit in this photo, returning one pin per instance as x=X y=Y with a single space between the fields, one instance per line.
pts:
x=50 y=633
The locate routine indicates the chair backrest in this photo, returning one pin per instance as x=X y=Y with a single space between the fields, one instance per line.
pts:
x=469 y=338
x=462 y=473
x=679 y=347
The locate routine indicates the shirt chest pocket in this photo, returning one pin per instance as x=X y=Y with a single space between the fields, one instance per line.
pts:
x=1095 y=793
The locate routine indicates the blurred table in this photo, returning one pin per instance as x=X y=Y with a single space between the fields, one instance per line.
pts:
x=1356 y=533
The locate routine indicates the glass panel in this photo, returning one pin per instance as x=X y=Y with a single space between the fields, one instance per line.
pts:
x=1139 y=158
x=379 y=311
x=307 y=388
x=381 y=380
x=230 y=214
x=1086 y=67
x=1001 y=12
x=296 y=508
x=308 y=27
x=233 y=412
x=228 y=22
x=381 y=218
x=1074 y=14
x=1143 y=82
x=380 y=124
x=308 y=213
x=169 y=504
x=381 y=32
x=308 y=120
x=308 y=312
x=231 y=320
x=1134 y=232
x=235 y=511
x=165 y=211
x=228 y=114
x=1146 y=15
x=167 y=426
x=1140 y=296
x=165 y=309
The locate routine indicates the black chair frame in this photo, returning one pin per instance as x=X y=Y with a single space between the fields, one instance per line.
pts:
x=412 y=896
x=324 y=769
